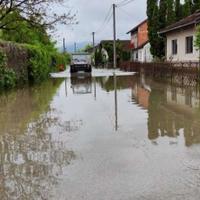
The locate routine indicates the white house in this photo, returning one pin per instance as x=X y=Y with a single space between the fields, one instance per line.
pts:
x=180 y=38
x=140 y=46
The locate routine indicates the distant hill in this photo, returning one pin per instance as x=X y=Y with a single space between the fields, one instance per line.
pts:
x=70 y=47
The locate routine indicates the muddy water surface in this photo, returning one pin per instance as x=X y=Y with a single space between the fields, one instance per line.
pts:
x=79 y=138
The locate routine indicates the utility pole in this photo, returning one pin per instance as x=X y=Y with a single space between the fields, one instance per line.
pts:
x=115 y=66
x=74 y=47
x=93 y=42
x=64 y=46
x=114 y=38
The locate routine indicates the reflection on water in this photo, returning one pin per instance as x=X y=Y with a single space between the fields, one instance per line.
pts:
x=171 y=109
x=36 y=125
x=81 y=84
x=31 y=160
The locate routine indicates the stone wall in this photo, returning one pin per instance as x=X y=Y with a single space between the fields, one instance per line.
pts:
x=17 y=58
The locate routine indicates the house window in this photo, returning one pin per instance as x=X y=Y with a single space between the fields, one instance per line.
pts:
x=189 y=44
x=174 y=47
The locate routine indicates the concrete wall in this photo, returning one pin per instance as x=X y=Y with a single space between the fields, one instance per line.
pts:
x=144 y=54
x=181 y=46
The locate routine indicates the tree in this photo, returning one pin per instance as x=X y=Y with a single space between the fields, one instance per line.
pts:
x=87 y=48
x=197 y=41
x=24 y=32
x=170 y=12
x=178 y=10
x=196 y=5
x=154 y=26
x=162 y=13
x=35 y=12
x=187 y=8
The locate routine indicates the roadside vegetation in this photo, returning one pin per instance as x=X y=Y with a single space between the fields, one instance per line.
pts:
x=25 y=24
x=7 y=76
x=100 y=59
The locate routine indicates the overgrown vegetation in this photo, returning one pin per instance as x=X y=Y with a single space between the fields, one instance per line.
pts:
x=42 y=62
x=162 y=13
x=7 y=76
x=43 y=57
x=122 y=54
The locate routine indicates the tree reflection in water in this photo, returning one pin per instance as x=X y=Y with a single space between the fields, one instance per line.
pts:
x=31 y=162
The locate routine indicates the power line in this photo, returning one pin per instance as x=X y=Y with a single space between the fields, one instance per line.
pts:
x=106 y=20
x=125 y=12
x=106 y=23
x=124 y=3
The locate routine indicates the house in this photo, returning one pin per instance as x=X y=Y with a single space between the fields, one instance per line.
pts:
x=180 y=38
x=140 y=46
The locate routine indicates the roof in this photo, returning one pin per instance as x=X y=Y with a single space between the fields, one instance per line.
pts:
x=121 y=41
x=136 y=27
x=188 y=21
x=141 y=46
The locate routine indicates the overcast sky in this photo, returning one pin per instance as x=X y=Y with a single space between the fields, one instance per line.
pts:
x=91 y=15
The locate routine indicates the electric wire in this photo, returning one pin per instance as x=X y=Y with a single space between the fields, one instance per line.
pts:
x=106 y=20
x=125 y=12
x=124 y=3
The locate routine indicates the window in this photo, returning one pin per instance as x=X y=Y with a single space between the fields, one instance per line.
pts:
x=174 y=47
x=189 y=44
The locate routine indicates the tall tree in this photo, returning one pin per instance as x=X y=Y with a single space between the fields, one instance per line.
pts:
x=196 y=5
x=178 y=10
x=170 y=12
x=187 y=8
x=162 y=13
x=156 y=20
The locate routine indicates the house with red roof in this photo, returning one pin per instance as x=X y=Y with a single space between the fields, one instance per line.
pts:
x=140 y=46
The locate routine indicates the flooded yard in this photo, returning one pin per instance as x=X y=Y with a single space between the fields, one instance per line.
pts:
x=100 y=138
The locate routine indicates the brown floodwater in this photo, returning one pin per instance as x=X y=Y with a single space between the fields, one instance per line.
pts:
x=101 y=138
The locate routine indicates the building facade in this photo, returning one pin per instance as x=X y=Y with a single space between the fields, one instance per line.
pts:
x=140 y=46
x=180 y=40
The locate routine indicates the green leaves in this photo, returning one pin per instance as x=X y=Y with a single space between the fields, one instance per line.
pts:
x=197 y=41
x=7 y=76
x=42 y=61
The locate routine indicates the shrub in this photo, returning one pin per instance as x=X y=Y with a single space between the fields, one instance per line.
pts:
x=7 y=76
x=60 y=59
x=42 y=61
x=39 y=63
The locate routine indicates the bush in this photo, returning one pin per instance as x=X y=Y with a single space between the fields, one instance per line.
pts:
x=60 y=59
x=7 y=76
x=42 y=61
x=39 y=63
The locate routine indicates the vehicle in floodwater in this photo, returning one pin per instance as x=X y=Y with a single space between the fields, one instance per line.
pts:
x=81 y=62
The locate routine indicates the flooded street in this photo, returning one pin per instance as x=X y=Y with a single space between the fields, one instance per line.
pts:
x=80 y=139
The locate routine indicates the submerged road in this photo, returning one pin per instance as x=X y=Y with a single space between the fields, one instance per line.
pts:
x=81 y=144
